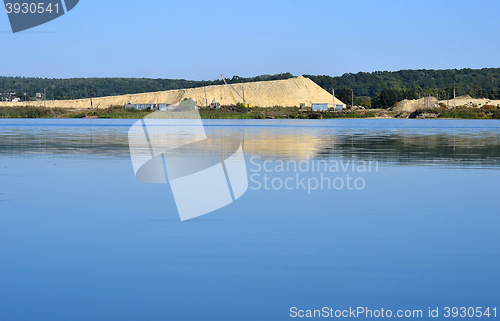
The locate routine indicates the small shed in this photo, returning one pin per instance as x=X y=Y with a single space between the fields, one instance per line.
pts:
x=319 y=107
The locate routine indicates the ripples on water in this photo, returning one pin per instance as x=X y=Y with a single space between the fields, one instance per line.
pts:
x=85 y=240
x=433 y=142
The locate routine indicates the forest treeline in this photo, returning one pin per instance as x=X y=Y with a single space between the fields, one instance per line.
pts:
x=382 y=89
x=75 y=88
x=379 y=89
x=371 y=83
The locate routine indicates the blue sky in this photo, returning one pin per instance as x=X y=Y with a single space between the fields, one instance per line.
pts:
x=198 y=40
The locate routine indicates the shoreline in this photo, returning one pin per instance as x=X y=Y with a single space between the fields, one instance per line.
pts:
x=239 y=112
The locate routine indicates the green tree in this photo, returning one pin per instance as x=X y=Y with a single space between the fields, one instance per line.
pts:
x=411 y=93
x=476 y=92
x=240 y=107
x=387 y=98
x=364 y=101
x=494 y=94
x=345 y=95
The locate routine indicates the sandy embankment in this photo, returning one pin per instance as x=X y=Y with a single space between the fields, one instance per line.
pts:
x=287 y=93
x=410 y=106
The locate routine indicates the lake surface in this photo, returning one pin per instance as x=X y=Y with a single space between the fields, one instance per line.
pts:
x=408 y=220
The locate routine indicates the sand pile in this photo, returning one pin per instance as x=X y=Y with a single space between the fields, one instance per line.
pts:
x=288 y=93
x=412 y=105
x=467 y=101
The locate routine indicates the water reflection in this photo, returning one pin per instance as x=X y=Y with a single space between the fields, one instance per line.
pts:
x=455 y=143
x=426 y=149
x=64 y=137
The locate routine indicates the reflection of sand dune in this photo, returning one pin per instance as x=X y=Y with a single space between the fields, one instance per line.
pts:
x=280 y=146
x=286 y=147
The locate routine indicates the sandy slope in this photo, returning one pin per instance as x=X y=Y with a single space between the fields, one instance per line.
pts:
x=289 y=92
x=412 y=105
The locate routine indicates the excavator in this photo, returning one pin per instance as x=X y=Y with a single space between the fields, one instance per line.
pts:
x=241 y=96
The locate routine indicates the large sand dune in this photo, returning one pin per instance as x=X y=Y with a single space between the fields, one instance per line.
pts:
x=287 y=93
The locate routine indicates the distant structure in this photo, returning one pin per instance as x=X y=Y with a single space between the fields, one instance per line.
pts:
x=326 y=106
x=148 y=106
x=319 y=107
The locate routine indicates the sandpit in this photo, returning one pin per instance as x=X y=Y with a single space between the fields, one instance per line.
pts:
x=287 y=93
x=410 y=106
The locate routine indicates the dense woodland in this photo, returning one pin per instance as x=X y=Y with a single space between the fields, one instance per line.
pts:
x=380 y=89
x=75 y=88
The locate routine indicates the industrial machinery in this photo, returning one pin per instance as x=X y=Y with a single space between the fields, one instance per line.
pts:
x=214 y=104
x=241 y=96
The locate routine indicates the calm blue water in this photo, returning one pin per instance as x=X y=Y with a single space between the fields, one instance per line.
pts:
x=82 y=239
